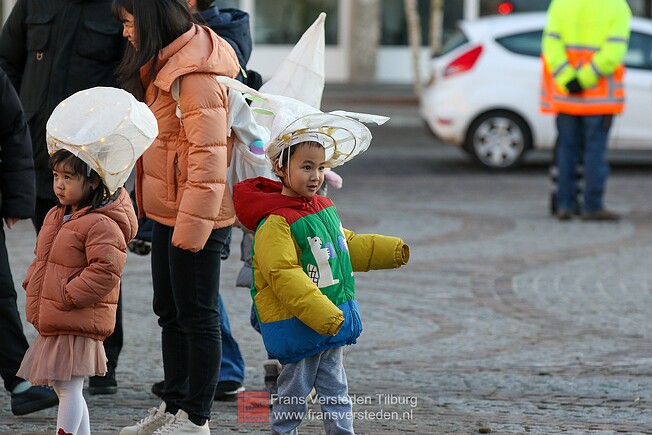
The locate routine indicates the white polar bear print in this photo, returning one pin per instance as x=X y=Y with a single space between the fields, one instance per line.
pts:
x=325 y=274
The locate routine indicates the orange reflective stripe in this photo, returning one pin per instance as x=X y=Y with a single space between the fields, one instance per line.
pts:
x=576 y=53
x=545 y=97
x=606 y=97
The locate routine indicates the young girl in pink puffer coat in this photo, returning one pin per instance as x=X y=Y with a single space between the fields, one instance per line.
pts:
x=73 y=285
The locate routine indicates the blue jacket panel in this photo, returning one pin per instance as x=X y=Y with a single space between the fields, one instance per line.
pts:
x=233 y=26
x=292 y=340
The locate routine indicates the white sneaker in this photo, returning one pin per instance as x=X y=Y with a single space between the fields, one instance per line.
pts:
x=182 y=425
x=147 y=426
x=312 y=395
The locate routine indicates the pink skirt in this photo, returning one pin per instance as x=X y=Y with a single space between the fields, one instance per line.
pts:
x=60 y=357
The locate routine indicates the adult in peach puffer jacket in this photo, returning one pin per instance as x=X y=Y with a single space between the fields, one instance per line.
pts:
x=181 y=187
x=181 y=178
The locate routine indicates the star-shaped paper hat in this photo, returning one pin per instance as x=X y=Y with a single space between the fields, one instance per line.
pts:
x=105 y=127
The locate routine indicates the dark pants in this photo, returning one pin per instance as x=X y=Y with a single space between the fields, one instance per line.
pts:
x=113 y=343
x=13 y=343
x=587 y=135
x=186 y=291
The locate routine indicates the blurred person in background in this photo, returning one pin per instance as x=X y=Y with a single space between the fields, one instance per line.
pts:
x=17 y=195
x=51 y=49
x=584 y=44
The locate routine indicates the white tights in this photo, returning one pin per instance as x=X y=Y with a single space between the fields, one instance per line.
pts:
x=73 y=412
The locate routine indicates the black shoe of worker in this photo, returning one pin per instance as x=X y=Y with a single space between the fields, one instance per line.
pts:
x=601 y=215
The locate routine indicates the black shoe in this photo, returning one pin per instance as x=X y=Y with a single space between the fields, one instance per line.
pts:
x=601 y=215
x=33 y=399
x=564 y=215
x=157 y=388
x=103 y=384
x=140 y=246
x=227 y=391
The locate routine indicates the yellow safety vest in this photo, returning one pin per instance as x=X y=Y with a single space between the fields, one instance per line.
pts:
x=585 y=40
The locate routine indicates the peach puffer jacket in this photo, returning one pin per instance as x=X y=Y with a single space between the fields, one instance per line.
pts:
x=73 y=284
x=181 y=178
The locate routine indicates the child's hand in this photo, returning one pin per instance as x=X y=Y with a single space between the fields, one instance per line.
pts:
x=405 y=254
x=11 y=221
x=333 y=179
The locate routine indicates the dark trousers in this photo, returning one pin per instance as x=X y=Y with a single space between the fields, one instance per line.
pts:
x=13 y=343
x=186 y=291
x=586 y=135
x=113 y=343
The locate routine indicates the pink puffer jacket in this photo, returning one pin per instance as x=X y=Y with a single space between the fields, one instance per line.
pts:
x=73 y=284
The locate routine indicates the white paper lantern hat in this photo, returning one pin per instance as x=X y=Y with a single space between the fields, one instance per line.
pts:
x=342 y=137
x=341 y=133
x=107 y=128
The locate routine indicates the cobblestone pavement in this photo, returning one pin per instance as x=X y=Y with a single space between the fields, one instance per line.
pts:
x=505 y=321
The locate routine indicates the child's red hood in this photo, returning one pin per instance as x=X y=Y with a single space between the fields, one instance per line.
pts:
x=257 y=198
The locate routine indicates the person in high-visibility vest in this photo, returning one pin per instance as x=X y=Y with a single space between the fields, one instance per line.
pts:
x=583 y=47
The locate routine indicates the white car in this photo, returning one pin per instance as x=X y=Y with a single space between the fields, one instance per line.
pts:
x=484 y=90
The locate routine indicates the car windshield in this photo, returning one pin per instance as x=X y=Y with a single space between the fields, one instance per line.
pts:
x=528 y=43
x=456 y=40
x=639 y=52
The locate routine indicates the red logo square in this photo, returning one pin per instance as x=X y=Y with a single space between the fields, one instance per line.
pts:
x=253 y=407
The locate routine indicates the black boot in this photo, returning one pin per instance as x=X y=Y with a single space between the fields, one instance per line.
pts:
x=157 y=388
x=103 y=384
x=33 y=399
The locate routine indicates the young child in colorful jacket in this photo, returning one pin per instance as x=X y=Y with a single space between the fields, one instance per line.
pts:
x=303 y=262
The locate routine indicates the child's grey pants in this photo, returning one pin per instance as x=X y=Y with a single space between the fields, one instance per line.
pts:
x=324 y=371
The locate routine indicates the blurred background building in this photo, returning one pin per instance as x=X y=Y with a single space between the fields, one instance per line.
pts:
x=366 y=40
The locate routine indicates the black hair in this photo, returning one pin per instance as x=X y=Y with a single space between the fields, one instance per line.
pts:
x=286 y=155
x=157 y=23
x=291 y=149
x=98 y=196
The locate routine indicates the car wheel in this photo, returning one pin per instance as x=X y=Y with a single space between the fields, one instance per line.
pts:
x=499 y=139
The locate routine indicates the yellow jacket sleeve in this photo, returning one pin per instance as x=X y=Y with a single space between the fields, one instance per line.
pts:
x=375 y=251
x=553 y=48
